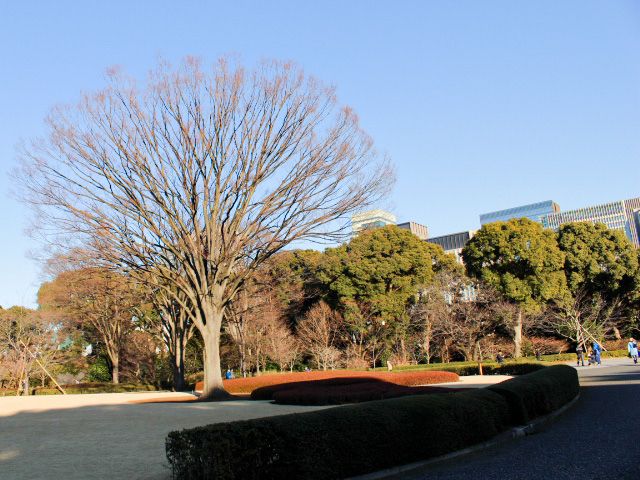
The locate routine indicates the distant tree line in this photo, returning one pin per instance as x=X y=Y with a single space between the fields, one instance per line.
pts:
x=384 y=296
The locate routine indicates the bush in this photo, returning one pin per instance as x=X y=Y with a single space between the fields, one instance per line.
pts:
x=512 y=367
x=338 y=442
x=356 y=439
x=337 y=391
x=539 y=393
x=248 y=385
x=95 y=388
x=99 y=371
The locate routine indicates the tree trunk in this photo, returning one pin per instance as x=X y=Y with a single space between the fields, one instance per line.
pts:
x=178 y=366
x=517 y=335
x=115 y=371
x=213 y=388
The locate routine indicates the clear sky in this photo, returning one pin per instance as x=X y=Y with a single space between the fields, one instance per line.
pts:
x=481 y=105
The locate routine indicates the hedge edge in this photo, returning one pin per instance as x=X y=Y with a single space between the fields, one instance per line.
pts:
x=357 y=439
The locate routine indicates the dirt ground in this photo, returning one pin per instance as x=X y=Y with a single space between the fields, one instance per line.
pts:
x=116 y=435
x=105 y=435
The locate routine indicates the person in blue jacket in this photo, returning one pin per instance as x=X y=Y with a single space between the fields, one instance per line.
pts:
x=632 y=346
x=597 y=350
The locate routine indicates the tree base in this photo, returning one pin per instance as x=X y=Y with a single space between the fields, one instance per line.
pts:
x=216 y=395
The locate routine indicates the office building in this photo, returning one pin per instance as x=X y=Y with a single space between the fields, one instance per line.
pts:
x=420 y=231
x=380 y=218
x=622 y=215
x=371 y=219
x=454 y=242
x=533 y=211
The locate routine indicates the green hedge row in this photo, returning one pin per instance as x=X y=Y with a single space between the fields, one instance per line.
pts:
x=564 y=357
x=95 y=388
x=538 y=393
x=356 y=439
x=511 y=367
x=494 y=368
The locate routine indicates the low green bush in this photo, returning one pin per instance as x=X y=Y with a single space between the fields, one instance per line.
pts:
x=539 y=393
x=356 y=439
x=95 y=388
x=512 y=367
x=338 y=442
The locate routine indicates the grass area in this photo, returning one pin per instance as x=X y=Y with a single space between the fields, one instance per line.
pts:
x=95 y=388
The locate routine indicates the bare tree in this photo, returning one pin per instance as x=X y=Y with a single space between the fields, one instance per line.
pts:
x=201 y=176
x=319 y=332
x=97 y=299
x=457 y=313
x=27 y=346
x=176 y=329
x=584 y=318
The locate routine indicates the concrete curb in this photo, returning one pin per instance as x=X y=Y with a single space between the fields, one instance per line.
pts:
x=516 y=432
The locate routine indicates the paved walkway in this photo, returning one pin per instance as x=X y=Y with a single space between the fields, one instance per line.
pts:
x=105 y=435
x=598 y=438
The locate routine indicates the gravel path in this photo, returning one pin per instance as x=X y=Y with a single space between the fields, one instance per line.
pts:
x=599 y=438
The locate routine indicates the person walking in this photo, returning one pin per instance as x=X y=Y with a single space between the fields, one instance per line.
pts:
x=632 y=346
x=580 y=354
x=597 y=350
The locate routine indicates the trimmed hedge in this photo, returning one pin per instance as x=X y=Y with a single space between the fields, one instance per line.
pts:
x=356 y=439
x=338 y=442
x=539 y=393
x=95 y=388
x=338 y=391
x=520 y=367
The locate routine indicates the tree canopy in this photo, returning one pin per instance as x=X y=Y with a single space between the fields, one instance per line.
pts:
x=518 y=258
x=597 y=259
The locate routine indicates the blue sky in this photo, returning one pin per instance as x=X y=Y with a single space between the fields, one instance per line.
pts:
x=481 y=105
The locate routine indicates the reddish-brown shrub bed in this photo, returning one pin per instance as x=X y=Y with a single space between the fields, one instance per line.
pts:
x=248 y=385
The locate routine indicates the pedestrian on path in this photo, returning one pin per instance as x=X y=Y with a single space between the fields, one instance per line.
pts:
x=632 y=346
x=580 y=354
x=597 y=350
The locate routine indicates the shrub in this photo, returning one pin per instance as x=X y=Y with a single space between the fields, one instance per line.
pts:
x=248 y=385
x=539 y=393
x=338 y=442
x=354 y=393
x=99 y=371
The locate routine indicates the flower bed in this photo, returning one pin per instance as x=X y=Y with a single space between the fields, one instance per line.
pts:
x=241 y=386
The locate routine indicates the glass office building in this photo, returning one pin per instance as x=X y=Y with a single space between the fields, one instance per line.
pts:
x=533 y=211
x=454 y=242
x=622 y=215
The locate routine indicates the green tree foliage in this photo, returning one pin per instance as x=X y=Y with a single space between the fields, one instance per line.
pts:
x=598 y=259
x=377 y=275
x=383 y=267
x=522 y=261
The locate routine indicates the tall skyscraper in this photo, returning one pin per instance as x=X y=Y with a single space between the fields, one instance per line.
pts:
x=533 y=211
x=622 y=215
